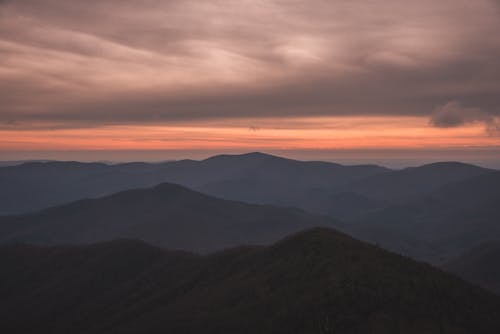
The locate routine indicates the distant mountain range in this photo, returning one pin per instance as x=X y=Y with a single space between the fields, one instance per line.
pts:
x=318 y=281
x=167 y=215
x=320 y=187
x=433 y=213
x=350 y=197
x=253 y=177
x=402 y=210
x=440 y=225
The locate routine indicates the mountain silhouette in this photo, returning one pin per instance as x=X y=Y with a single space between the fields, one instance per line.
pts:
x=253 y=177
x=414 y=181
x=446 y=222
x=167 y=215
x=346 y=192
x=318 y=281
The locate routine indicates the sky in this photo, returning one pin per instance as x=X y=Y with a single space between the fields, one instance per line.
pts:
x=346 y=80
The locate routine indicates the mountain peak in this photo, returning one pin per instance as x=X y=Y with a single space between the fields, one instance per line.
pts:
x=454 y=165
x=317 y=240
x=249 y=155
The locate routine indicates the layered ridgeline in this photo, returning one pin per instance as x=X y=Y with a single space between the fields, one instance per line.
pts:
x=353 y=195
x=433 y=212
x=346 y=192
x=253 y=177
x=480 y=265
x=440 y=225
x=167 y=215
x=318 y=281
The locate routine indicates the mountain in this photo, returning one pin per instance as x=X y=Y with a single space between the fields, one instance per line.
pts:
x=413 y=181
x=274 y=180
x=167 y=215
x=318 y=281
x=448 y=221
x=344 y=192
x=252 y=177
x=347 y=192
x=433 y=212
x=479 y=265
x=14 y=162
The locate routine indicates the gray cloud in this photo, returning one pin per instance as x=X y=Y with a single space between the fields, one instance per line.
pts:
x=116 y=62
x=454 y=114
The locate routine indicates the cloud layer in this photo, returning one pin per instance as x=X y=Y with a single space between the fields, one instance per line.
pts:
x=77 y=64
x=453 y=114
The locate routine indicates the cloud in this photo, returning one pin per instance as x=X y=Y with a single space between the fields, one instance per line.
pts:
x=454 y=114
x=127 y=61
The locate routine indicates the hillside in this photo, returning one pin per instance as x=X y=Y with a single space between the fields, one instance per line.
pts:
x=479 y=265
x=318 y=281
x=167 y=215
x=450 y=220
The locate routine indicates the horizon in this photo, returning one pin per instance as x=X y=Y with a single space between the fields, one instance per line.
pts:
x=344 y=158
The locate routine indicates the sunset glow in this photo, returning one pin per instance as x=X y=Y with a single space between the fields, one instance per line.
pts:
x=303 y=133
x=248 y=75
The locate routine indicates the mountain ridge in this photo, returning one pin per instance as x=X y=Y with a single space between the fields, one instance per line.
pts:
x=166 y=215
x=32 y=187
x=453 y=218
x=316 y=281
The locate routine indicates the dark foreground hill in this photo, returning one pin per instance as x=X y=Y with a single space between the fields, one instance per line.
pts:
x=167 y=215
x=480 y=265
x=318 y=281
